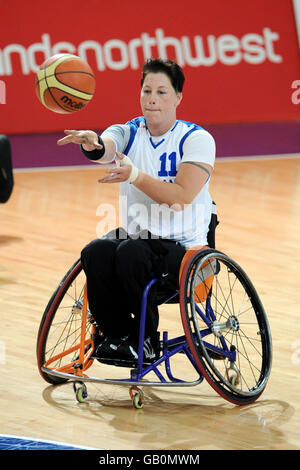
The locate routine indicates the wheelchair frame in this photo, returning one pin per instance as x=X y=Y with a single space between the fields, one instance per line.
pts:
x=220 y=362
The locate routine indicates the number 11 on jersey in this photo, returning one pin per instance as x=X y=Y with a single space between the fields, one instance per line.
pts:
x=167 y=161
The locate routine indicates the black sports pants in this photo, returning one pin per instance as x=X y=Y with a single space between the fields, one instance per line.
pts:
x=118 y=270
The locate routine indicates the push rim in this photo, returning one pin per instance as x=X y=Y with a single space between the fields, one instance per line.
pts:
x=60 y=327
x=231 y=320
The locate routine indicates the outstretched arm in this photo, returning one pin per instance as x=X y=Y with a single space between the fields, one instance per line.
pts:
x=104 y=148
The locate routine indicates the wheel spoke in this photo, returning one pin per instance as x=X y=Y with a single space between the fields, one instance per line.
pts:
x=238 y=326
x=60 y=329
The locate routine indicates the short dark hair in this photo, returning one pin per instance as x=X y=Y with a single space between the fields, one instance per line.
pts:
x=170 y=68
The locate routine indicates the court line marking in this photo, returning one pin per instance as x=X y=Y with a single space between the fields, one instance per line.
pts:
x=46 y=441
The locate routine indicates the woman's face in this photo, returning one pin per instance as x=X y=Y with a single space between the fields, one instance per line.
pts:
x=159 y=101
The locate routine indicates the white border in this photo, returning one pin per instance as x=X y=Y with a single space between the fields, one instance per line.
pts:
x=297 y=16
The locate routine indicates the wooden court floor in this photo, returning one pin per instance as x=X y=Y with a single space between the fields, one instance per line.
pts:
x=51 y=215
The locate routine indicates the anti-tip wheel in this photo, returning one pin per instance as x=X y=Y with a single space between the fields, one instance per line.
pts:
x=137 y=397
x=138 y=401
x=80 y=392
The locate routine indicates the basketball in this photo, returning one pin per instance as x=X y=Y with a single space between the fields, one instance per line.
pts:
x=65 y=83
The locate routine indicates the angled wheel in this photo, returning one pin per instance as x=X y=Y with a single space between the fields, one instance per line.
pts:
x=225 y=325
x=80 y=390
x=137 y=397
x=60 y=328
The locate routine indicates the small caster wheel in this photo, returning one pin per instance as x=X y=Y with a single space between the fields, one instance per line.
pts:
x=234 y=379
x=233 y=376
x=137 y=397
x=138 y=400
x=80 y=392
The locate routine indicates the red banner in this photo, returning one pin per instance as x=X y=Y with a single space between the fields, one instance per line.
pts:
x=241 y=59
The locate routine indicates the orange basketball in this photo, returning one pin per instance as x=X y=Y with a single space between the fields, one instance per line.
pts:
x=65 y=83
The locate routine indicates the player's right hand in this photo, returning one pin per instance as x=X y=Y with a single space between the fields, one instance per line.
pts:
x=88 y=139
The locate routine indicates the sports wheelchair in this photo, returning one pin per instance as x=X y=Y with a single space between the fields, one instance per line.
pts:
x=225 y=335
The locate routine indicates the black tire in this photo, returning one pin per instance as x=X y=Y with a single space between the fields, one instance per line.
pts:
x=60 y=326
x=228 y=331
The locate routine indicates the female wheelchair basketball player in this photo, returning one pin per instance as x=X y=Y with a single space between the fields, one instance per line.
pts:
x=164 y=253
x=165 y=169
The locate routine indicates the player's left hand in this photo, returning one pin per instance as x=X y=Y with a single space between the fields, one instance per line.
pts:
x=126 y=172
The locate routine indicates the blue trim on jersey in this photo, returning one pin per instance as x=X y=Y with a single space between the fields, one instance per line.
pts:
x=189 y=124
x=194 y=128
x=134 y=125
x=156 y=145
x=161 y=141
x=174 y=126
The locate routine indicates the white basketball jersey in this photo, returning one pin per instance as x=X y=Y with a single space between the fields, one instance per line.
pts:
x=161 y=157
